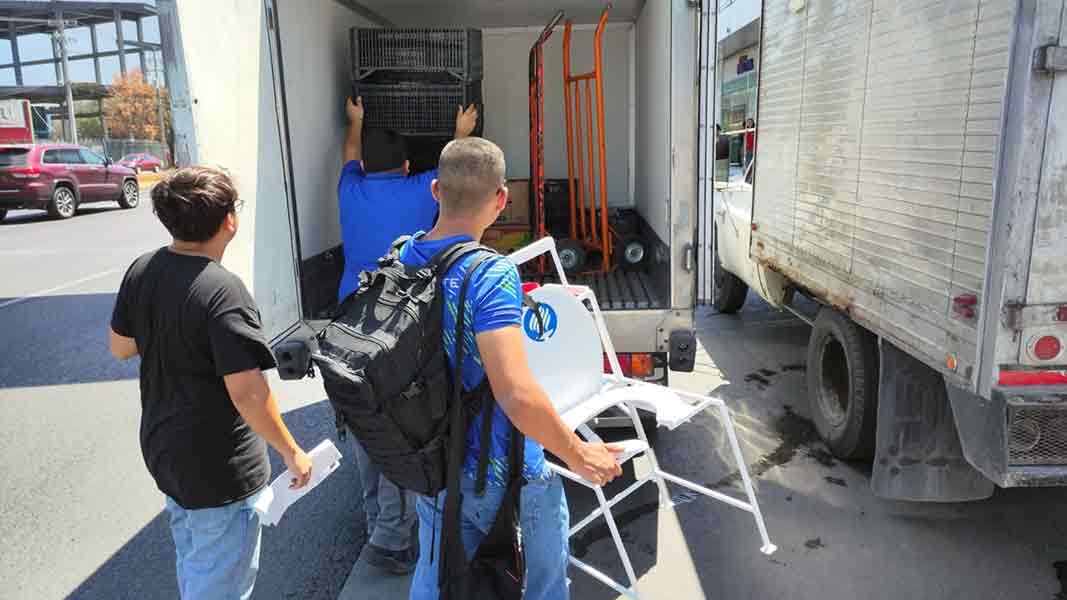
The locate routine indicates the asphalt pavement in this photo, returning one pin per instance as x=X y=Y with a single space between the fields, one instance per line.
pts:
x=80 y=517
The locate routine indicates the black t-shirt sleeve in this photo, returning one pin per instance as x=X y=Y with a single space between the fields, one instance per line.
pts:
x=236 y=333
x=121 y=317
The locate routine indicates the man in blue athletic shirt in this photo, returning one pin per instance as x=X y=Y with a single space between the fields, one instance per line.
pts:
x=378 y=200
x=471 y=192
x=379 y=203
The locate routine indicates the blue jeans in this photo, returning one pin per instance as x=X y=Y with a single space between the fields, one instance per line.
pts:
x=217 y=549
x=545 y=521
x=390 y=510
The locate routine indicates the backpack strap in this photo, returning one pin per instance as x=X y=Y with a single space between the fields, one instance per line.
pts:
x=488 y=406
x=452 y=550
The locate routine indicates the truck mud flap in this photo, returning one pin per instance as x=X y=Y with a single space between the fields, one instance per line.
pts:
x=918 y=456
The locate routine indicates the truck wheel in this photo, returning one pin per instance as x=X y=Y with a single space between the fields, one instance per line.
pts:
x=131 y=195
x=730 y=290
x=843 y=384
x=571 y=255
x=63 y=203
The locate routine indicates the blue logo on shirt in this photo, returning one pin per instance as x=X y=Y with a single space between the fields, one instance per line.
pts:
x=533 y=326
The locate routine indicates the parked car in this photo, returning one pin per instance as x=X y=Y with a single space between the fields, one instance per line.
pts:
x=60 y=177
x=141 y=162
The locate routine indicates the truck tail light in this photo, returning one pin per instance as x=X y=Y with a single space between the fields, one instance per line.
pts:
x=632 y=364
x=1014 y=378
x=24 y=172
x=1046 y=347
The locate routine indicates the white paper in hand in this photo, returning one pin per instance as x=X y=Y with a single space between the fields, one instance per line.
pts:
x=278 y=497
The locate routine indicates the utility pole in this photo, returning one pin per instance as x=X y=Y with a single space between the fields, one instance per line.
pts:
x=62 y=39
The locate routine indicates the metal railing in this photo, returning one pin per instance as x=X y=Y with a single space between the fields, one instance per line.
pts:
x=115 y=149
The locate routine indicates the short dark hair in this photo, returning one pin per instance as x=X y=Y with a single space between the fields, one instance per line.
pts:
x=192 y=202
x=383 y=150
x=471 y=169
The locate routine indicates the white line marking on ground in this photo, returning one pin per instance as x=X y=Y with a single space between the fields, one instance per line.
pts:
x=58 y=288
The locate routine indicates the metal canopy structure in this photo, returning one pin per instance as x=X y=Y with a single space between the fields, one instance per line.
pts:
x=19 y=18
x=54 y=94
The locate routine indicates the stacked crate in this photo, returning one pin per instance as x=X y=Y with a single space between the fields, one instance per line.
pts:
x=413 y=80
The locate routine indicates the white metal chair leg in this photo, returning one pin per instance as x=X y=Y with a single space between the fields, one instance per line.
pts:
x=664 y=495
x=623 y=554
x=768 y=548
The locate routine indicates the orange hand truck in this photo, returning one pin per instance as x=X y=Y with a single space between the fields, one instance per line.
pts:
x=537 y=130
x=589 y=229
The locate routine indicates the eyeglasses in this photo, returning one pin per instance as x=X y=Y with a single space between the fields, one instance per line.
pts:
x=238 y=204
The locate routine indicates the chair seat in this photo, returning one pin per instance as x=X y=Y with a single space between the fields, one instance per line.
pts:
x=669 y=408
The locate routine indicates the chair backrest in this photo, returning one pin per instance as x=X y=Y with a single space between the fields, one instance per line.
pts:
x=568 y=359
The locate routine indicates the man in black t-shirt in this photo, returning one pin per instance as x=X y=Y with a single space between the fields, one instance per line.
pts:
x=206 y=405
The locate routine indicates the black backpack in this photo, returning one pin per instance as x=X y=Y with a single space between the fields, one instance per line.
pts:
x=389 y=380
x=385 y=370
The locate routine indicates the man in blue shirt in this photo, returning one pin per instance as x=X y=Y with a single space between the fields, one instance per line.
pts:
x=379 y=203
x=378 y=200
x=471 y=192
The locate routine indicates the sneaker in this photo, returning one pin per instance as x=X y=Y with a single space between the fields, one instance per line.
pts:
x=395 y=562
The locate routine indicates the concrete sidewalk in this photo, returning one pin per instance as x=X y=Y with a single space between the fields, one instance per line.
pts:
x=367 y=582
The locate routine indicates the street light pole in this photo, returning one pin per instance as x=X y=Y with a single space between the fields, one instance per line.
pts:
x=66 y=77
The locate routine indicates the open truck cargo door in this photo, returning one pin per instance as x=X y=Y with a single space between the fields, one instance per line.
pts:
x=222 y=71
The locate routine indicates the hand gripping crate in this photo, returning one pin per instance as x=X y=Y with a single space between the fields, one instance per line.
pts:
x=418 y=109
x=438 y=55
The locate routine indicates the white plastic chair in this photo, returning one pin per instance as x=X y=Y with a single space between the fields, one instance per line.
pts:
x=567 y=359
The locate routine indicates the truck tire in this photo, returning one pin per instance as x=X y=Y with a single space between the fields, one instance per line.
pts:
x=63 y=204
x=730 y=290
x=843 y=384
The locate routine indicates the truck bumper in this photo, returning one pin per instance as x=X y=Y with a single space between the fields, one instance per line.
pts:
x=1017 y=437
x=649 y=331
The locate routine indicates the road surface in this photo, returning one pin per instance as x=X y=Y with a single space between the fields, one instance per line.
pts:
x=80 y=518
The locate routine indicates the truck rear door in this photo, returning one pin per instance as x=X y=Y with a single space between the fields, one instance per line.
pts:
x=221 y=61
x=1024 y=338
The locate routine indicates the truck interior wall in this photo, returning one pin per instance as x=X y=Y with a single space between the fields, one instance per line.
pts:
x=653 y=135
x=204 y=114
x=506 y=91
x=315 y=50
x=878 y=134
x=315 y=53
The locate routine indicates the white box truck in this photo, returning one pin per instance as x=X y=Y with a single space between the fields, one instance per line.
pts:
x=258 y=87
x=911 y=179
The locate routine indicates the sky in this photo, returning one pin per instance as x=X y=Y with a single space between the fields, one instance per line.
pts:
x=33 y=47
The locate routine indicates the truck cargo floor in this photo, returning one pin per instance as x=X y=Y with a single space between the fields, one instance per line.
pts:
x=620 y=290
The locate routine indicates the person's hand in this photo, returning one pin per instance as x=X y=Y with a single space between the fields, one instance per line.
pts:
x=299 y=463
x=354 y=110
x=466 y=121
x=597 y=463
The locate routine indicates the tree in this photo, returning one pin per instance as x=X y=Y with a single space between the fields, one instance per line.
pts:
x=132 y=109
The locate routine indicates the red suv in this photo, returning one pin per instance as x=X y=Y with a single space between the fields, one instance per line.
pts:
x=59 y=178
x=141 y=162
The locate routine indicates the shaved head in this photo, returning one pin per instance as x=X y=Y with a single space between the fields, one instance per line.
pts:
x=470 y=173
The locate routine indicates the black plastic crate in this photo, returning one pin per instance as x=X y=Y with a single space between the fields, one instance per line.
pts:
x=389 y=55
x=418 y=109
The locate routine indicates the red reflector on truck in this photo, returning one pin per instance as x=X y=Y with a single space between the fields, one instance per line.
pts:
x=1032 y=378
x=1047 y=347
